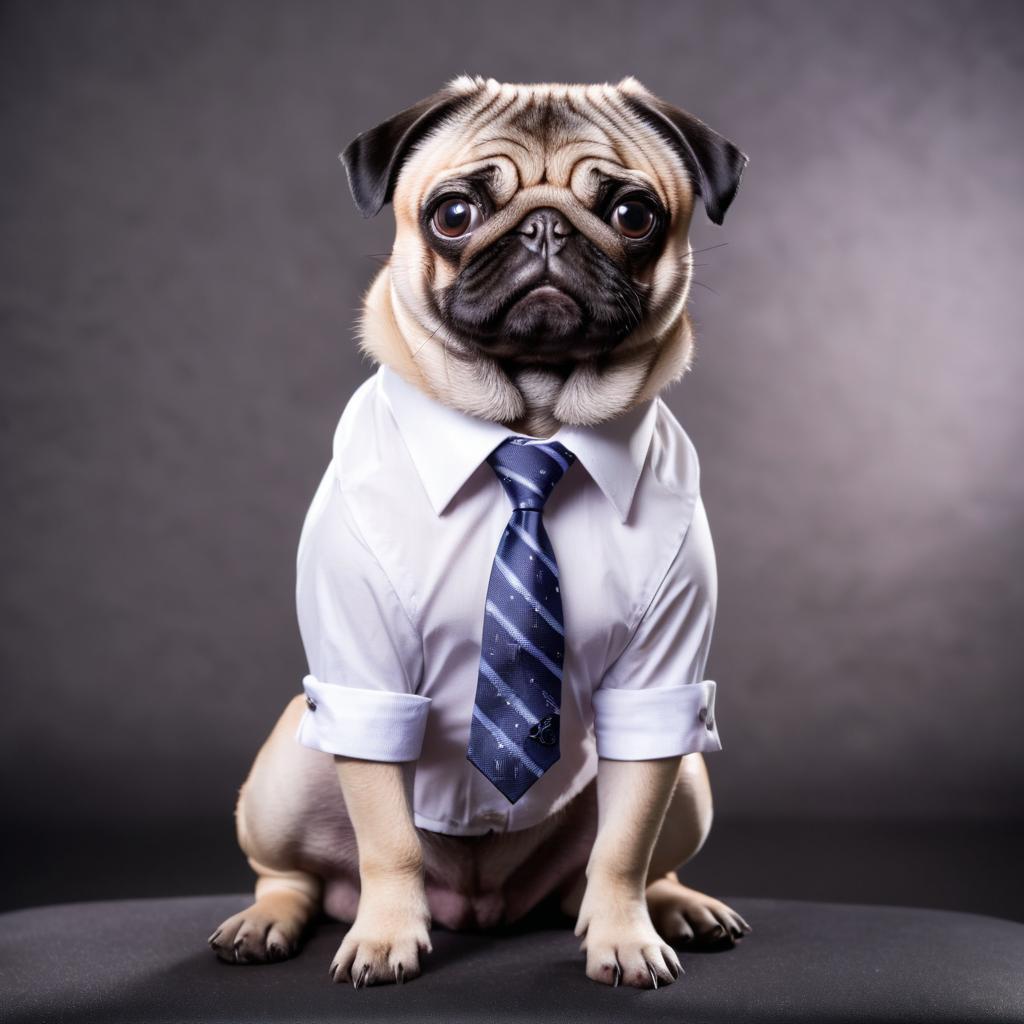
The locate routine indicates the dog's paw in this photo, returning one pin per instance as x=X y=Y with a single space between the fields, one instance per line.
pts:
x=383 y=945
x=623 y=947
x=268 y=931
x=685 y=915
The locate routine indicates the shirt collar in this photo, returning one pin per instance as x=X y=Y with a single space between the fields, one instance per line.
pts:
x=447 y=445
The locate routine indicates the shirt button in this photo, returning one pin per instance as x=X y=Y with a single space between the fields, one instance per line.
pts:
x=310 y=703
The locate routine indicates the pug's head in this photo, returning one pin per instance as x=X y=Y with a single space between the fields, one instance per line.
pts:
x=541 y=262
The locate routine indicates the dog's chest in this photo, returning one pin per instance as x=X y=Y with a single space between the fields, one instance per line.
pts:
x=441 y=567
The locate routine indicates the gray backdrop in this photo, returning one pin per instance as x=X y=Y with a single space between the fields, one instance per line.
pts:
x=180 y=266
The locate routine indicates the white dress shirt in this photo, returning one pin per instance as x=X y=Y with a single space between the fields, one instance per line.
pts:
x=393 y=566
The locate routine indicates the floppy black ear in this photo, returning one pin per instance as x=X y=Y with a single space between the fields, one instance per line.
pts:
x=373 y=159
x=714 y=162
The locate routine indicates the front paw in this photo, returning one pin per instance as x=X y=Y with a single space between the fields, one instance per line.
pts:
x=622 y=945
x=384 y=943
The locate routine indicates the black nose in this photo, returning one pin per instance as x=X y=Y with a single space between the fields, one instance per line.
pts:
x=545 y=231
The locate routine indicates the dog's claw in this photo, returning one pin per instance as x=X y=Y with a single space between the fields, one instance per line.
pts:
x=654 y=977
x=360 y=982
x=400 y=974
x=617 y=976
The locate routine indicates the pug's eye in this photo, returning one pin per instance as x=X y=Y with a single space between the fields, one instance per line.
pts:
x=456 y=217
x=633 y=218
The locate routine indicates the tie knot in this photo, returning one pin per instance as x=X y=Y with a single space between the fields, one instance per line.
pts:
x=529 y=470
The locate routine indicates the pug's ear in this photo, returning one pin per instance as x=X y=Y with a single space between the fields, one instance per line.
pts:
x=713 y=161
x=373 y=159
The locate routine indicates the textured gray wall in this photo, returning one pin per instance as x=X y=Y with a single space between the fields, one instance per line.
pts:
x=180 y=267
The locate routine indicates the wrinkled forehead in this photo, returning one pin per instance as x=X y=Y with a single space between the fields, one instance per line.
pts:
x=574 y=138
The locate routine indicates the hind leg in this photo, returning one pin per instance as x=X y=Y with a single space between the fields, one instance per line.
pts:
x=272 y=928
x=274 y=826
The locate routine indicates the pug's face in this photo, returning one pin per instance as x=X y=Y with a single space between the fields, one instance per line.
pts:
x=542 y=225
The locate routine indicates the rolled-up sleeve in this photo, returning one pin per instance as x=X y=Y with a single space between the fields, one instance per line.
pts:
x=364 y=654
x=654 y=700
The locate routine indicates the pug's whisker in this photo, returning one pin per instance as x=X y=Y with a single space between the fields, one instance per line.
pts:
x=693 y=252
x=632 y=310
x=428 y=338
x=632 y=320
x=701 y=284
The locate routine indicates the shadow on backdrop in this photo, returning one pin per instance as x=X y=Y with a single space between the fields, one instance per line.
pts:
x=180 y=268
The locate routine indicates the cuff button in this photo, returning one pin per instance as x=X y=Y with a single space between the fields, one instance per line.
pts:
x=703 y=714
x=310 y=703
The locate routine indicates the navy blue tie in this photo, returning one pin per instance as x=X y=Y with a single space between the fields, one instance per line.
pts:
x=513 y=739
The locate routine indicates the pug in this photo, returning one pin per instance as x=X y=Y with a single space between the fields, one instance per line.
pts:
x=538 y=280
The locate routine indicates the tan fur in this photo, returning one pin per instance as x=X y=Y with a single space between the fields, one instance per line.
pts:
x=588 y=128
x=608 y=854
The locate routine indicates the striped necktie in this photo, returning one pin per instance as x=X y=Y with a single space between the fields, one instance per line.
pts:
x=513 y=739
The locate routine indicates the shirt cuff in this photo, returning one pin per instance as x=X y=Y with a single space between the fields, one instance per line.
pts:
x=374 y=725
x=638 y=725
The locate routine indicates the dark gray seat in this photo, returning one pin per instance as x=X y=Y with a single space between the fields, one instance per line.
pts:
x=147 y=960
